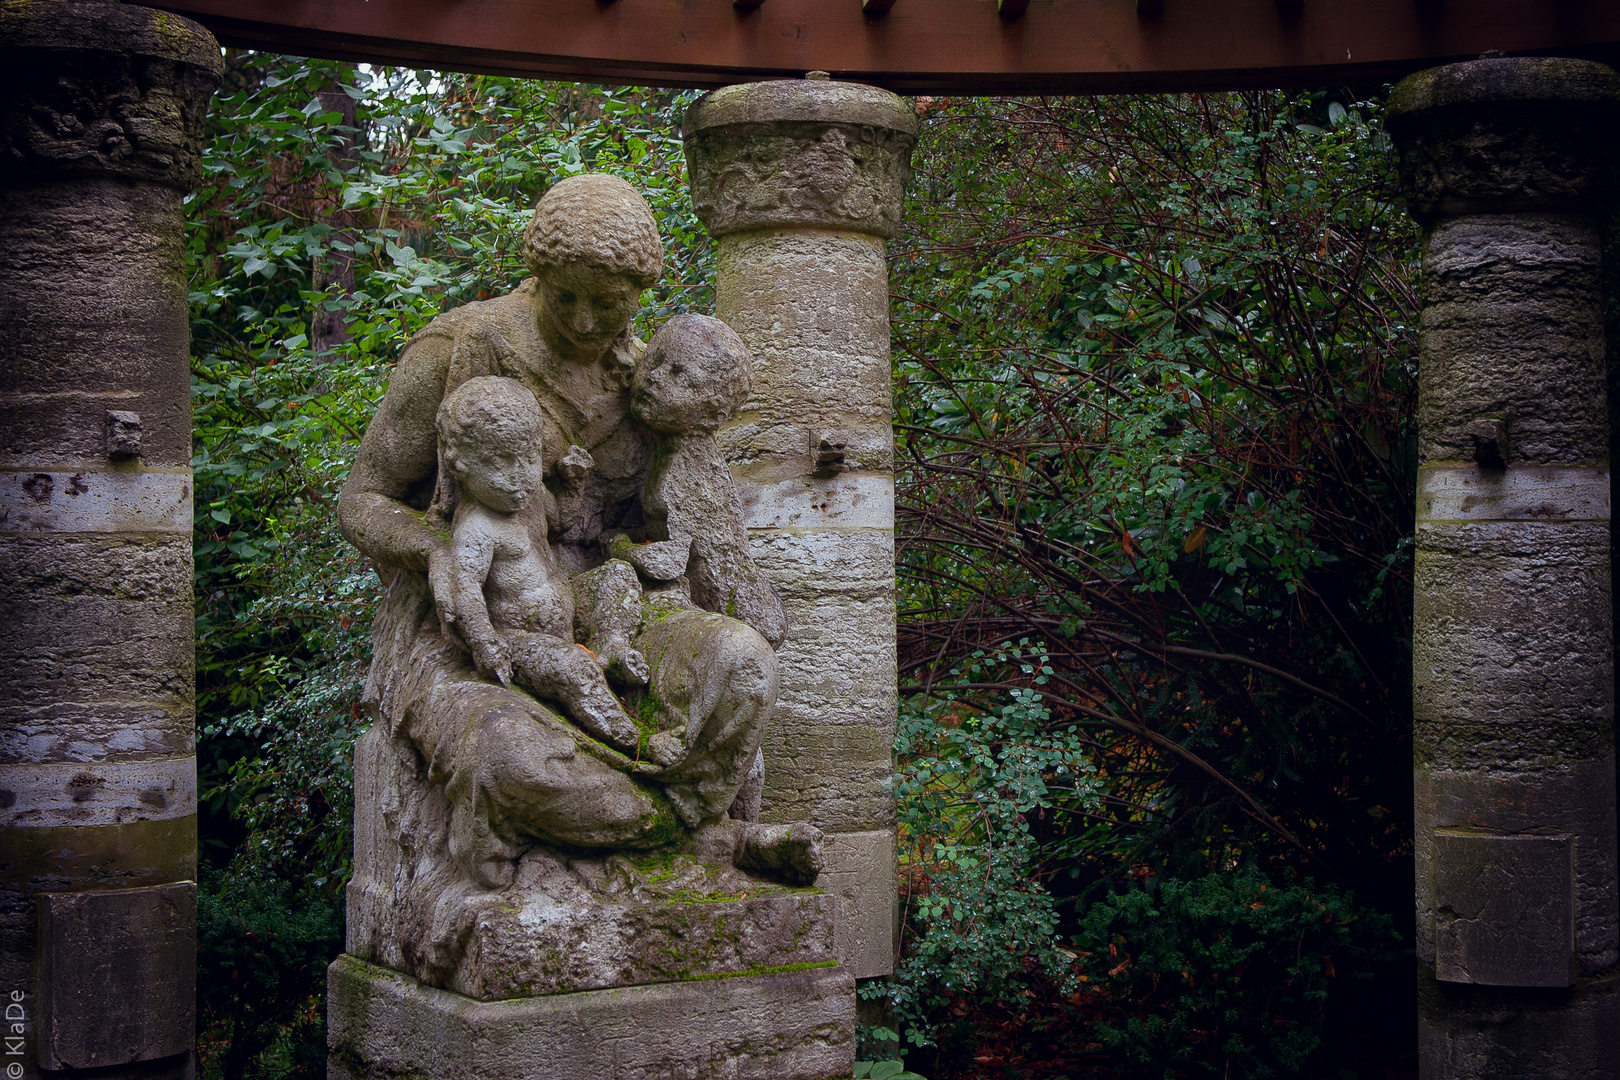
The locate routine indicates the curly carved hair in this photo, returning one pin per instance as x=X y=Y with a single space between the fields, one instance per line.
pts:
x=489 y=412
x=598 y=220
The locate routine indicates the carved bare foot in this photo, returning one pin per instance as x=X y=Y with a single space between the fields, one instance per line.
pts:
x=665 y=749
x=790 y=854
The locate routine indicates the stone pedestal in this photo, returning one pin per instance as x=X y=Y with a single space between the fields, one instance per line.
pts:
x=800 y=183
x=790 y=1025
x=101 y=111
x=585 y=966
x=1504 y=162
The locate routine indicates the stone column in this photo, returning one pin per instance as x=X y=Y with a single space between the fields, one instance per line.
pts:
x=101 y=109
x=800 y=183
x=1503 y=161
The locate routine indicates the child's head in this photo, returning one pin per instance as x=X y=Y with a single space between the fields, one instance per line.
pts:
x=489 y=438
x=695 y=373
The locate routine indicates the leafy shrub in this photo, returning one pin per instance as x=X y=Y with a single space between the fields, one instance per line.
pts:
x=977 y=919
x=262 y=951
x=1225 y=975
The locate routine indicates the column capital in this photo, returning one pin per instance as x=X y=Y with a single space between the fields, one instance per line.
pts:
x=102 y=89
x=799 y=152
x=1506 y=134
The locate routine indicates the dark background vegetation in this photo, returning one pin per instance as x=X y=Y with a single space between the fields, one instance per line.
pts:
x=1154 y=386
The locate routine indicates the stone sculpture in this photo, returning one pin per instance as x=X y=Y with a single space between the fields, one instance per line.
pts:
x=572 y=674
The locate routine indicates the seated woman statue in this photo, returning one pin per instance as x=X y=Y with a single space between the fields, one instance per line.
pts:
x=516 y=769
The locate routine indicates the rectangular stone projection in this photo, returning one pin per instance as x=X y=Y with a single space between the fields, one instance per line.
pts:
x=800 y=183
x=1518 y=927
x=101 y=112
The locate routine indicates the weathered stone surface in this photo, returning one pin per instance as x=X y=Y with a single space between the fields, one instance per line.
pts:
x=796 y=1025
x=1515 y=633
x=518 y=769
x=1499 y=1033
x=1505 y=909
x=837 y=776
x=1512 y=329
x=62 y=858
x=799 y=152
x=1575 y=799
x=841 y=503
x=1512 y=662
x=101 y=793
x=97 y=324
x=101 y=114
x=90 y=649
x=800 y=182
x=98 y=91
x=117 y=975
x=861 y=871
x=1507 y=134
x=564 y=923
x=113 y=567
x=761 y=449
x=96 y=731
x=124 y=502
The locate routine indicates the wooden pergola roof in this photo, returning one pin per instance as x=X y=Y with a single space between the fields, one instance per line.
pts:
x=923 y=46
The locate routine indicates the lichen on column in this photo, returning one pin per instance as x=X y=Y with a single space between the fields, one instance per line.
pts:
x=101 y=113
x=1507 y=163
x=800 y=183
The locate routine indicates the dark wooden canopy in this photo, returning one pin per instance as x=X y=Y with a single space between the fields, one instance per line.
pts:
x=923 y=46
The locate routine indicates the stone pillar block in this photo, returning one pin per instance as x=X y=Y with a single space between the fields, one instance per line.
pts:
x=800 y=183
x=101 y=112
x=1518 y=910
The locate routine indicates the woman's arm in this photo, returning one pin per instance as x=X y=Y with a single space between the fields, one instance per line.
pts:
x=397 y=461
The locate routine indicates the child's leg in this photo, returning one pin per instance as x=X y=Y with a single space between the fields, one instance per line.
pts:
x=607 y=613
x=567 y=674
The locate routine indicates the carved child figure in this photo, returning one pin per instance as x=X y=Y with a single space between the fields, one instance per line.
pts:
x=695 y=373
x=512 y=604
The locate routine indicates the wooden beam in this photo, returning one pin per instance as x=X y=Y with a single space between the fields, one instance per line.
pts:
x=929 y=47
x=876 y=7
x=1011 y=9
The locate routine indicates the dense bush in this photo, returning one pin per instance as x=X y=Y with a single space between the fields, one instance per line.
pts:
x=1225 y=974
x=261 y=976
x=1155 y=367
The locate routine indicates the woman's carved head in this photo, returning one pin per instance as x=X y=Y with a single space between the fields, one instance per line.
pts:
x=596 y=221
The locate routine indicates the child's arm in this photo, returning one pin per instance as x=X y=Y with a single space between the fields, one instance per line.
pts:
x=472 y=553
x=702 y=503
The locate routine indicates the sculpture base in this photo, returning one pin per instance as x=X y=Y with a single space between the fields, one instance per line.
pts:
x=781 y=1025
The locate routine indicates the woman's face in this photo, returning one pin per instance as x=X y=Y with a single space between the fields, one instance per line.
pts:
x=589 y=306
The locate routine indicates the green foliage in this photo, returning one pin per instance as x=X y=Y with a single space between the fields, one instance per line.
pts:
x=262 y=952
x=1224 y=975
x=977 y=920
x=1155 y=363
x=890 y=1069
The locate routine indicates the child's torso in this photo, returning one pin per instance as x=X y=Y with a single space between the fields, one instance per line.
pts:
x=526 y=590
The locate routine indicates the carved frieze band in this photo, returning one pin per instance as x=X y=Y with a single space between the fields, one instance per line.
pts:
x=799 y=153
x=1518 y=493
x=97 y=89
x=95 y=502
